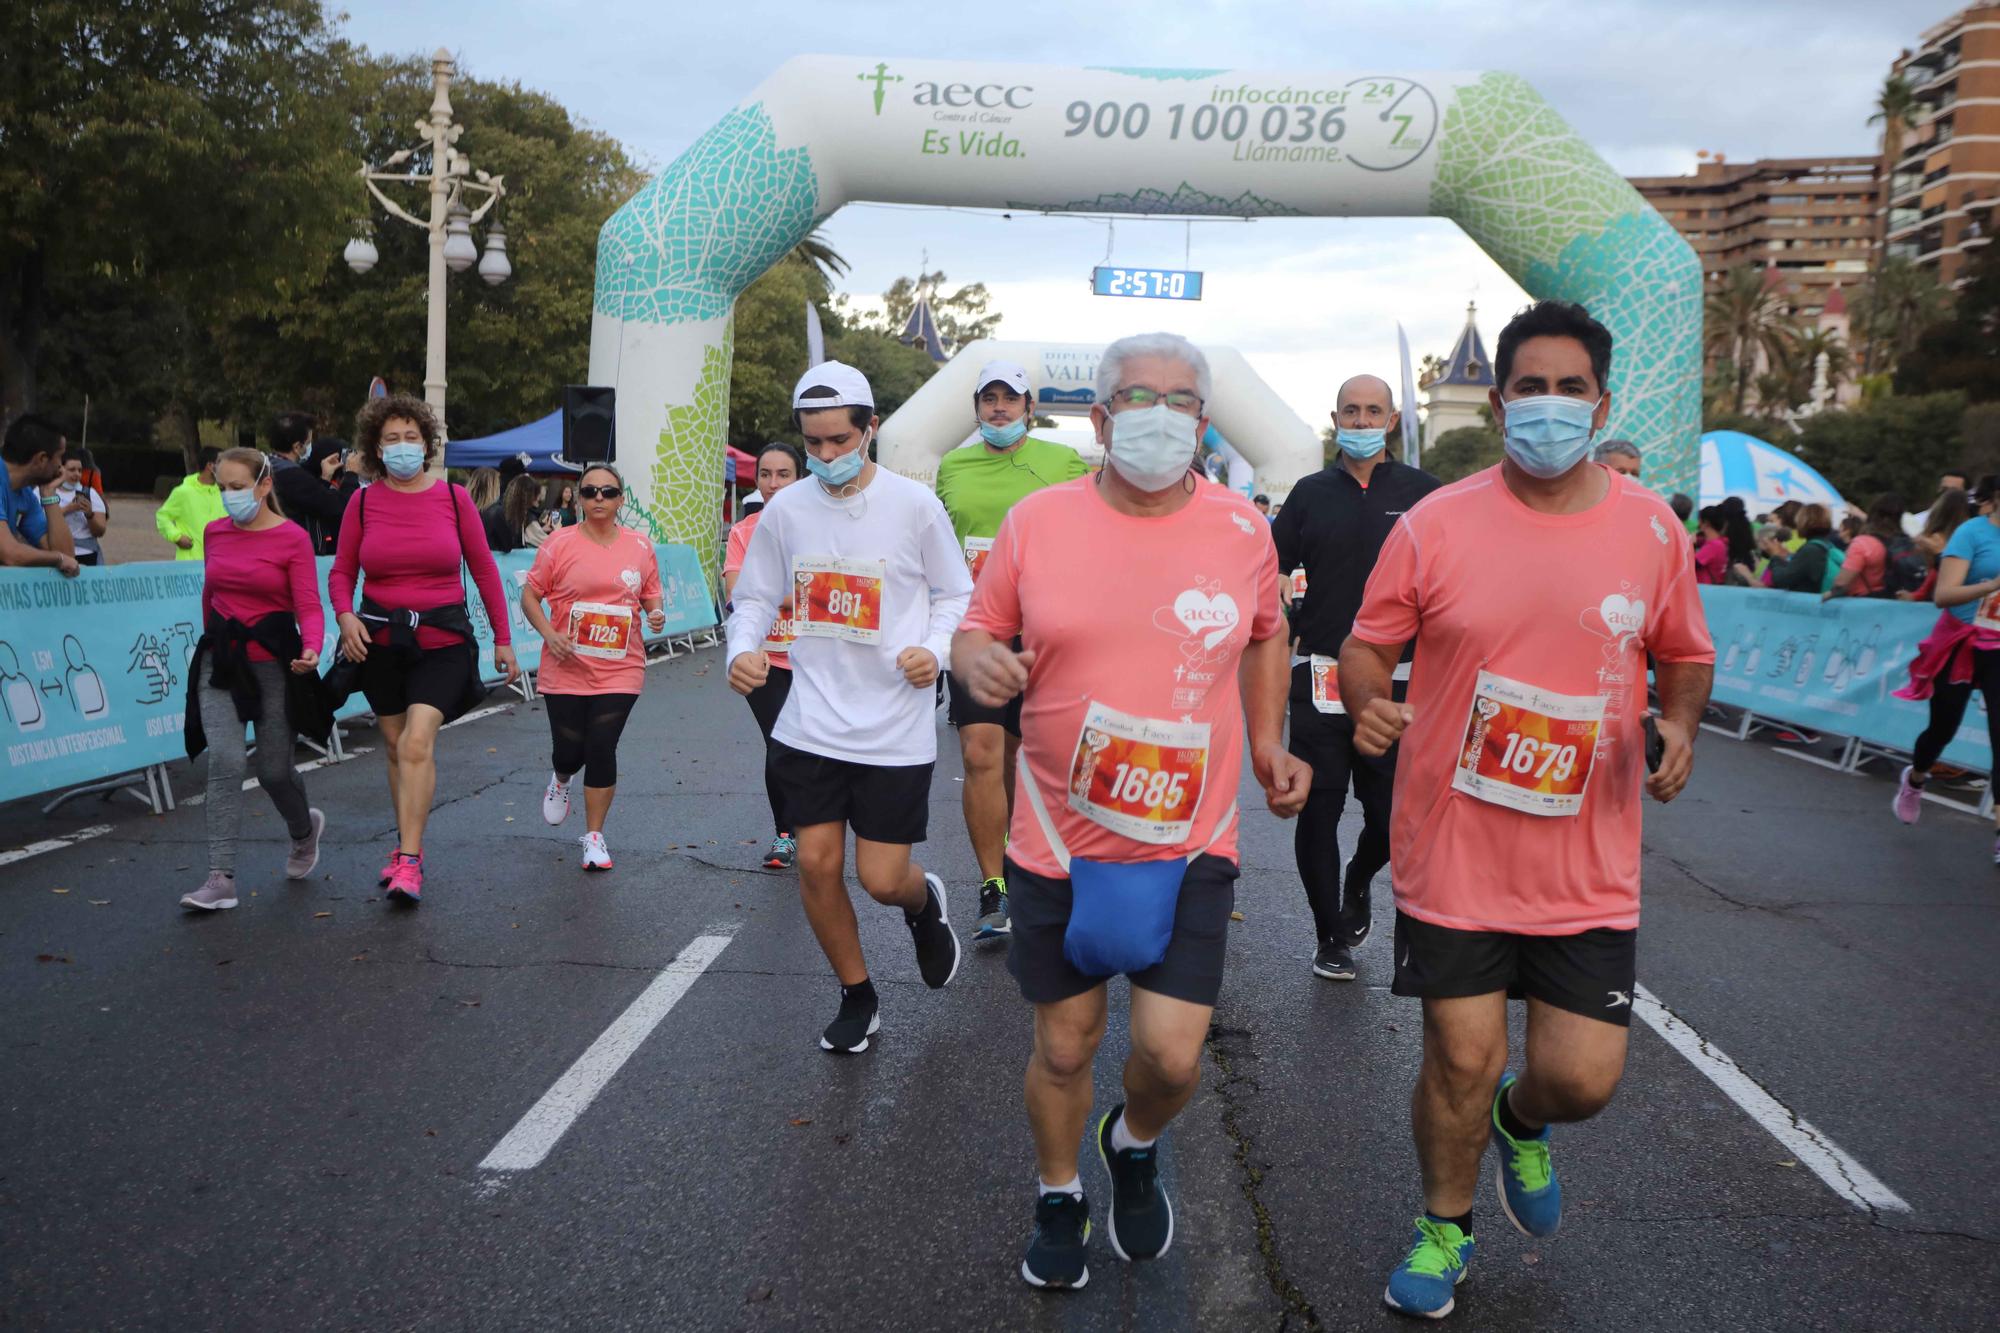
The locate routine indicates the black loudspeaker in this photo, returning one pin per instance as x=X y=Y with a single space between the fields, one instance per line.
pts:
x=589 y=423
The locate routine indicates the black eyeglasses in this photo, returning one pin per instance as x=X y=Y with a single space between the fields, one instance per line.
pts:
x=599 y=492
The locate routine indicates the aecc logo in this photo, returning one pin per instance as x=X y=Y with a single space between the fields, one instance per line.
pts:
x=989 y=96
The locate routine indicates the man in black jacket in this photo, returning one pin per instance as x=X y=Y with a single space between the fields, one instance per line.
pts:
x=1332 y=527
x=314 y=502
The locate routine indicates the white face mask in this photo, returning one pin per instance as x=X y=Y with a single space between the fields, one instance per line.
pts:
x=1152 y=447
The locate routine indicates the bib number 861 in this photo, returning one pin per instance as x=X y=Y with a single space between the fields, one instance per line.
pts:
x=1527 y=756
x=843 y=604
x=1135 y=784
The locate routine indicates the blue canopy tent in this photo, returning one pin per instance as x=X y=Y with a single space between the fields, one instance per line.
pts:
x=540 y=440
x=1764 y=475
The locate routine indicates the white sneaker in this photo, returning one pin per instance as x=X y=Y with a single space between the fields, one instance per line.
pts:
x=555 y=801
x=596 y=856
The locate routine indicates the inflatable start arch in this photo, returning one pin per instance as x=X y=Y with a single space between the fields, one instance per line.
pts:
x=1482 y=149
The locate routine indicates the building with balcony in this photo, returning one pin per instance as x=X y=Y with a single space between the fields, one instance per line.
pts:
x=1809 y=222
x=1945 y=183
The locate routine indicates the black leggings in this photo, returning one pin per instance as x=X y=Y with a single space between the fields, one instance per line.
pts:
x=1948 y=704
x=766 y=702
x=1326 y=741
x=585 y=728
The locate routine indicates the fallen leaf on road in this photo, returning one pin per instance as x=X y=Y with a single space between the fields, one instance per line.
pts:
x=756 y=1294
x=492 y=750
x=470 y=1004
x=224 y=962
x=1788 y=1163
x=510 y=819
x=430 y=1133
x=842 y=1138
x=361 y=957
x=100 y=902
x=321 y=916
x=801 y=1120
x=1236 y=916
x=1531 y=1258
x=517 y=925
x=51 y=958
x=58 y=890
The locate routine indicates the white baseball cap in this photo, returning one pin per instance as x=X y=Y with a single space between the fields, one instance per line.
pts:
x=1003 y=372
x=850 y=388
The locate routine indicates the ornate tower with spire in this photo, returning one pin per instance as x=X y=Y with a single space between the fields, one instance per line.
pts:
x=1454 y=398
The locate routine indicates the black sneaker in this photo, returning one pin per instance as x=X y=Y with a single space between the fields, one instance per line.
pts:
x=1334 y=962
x=993 y=921
x=1058 y=1253
x=1356 y=919
x=851 y=1028
x=930 y=931
x=1142 y=1219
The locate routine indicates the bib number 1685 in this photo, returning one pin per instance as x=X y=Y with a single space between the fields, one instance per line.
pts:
x=1135 y=784
x=1527 y=756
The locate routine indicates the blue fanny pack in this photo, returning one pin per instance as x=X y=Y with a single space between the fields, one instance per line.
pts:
x=1121 y=916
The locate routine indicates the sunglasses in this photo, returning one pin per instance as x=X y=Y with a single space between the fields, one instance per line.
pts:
x=599 y=492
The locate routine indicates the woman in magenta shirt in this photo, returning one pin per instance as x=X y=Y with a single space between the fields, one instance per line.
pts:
x=407 y=536
x=260 y=614
x=1711 y=548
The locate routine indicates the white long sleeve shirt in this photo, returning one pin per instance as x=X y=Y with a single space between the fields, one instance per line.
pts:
x=892 y=572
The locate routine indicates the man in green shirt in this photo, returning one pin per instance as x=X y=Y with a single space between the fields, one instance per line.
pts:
x=978 y=484
x=190 y=507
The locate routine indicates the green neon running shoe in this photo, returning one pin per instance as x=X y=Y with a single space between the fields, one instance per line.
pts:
x=1424 y=1282
x=1529 y=1192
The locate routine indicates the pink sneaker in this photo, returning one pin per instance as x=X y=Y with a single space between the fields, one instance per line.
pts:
x=389 y=868
x=1909 y=802
x=406 y=881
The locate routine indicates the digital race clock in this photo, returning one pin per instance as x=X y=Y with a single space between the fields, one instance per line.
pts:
x=1170 y=284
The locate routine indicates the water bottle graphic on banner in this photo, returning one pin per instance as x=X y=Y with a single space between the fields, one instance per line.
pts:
x=1756 y=655
x=1864 y=661
x=1836 y=659
x=1806 y=661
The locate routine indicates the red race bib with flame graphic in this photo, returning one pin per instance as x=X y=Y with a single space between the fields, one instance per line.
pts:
x=1139 y=776
x=835 y=598
x=1528 y=749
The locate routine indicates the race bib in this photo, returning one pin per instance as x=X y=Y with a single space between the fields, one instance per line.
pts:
x=1326 y=685
x=780 y=638
x=1527 y=749
x=1987 y=617
x=840 y=599
x=600 y=630
x=1299 y=583
x=976 y=551
x=1139 y=776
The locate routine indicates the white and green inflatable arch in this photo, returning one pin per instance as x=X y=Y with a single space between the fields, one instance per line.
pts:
x=1482 y=149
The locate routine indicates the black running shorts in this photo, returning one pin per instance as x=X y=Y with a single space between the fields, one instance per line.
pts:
x=1191 y=971
x=881 y=804
x=440 y=677
x=1591 y=973
x=967 y=711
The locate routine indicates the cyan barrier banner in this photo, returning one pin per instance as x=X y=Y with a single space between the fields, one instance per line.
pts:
x=93 y=670
x=1831 y=666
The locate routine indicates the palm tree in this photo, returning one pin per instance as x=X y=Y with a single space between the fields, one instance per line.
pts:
x=1895 y=107
x=1901 y=300
x=816 y=254
x=1745 y=319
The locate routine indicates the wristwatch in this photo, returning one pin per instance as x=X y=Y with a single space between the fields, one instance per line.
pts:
x=48 y=500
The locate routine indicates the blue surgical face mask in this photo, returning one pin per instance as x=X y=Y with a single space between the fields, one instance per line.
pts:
x=403 y=460
x=841 y=470
x=1360 y=443
x=1548 y=434
x=1003 y=437
x=241 y=506
x=1152 y=447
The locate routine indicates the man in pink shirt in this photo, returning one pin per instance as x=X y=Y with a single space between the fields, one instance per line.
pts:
x=1534 y=592
x=1122 y=853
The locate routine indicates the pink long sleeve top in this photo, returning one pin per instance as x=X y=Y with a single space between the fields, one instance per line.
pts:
x=250 y=575
x=403 y=544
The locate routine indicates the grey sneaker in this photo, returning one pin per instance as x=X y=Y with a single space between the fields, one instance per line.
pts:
x=305 y=851
x=993 y=922
x=217 y=892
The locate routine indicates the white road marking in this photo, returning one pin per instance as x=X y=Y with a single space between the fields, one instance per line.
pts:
x=54 y=844
x=478 y=713
x=549 y=1119
x=1842 y=1174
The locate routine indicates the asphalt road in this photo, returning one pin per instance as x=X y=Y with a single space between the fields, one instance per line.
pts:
x=275 y=1117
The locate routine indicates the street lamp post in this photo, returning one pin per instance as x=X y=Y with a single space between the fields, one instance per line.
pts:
x=453 y=249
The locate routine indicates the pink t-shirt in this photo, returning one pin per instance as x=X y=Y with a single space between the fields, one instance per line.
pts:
x=249 y=575
x=1188 y=593
x=402 y=544
x=737 y=547
x=571 y=568
x=1711 y=561
x=1564 y=604
x=1869 y=559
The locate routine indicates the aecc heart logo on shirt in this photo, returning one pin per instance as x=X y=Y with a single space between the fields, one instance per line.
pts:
x=1212 y=617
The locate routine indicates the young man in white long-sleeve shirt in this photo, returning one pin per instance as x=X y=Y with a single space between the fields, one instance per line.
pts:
x=878 y=586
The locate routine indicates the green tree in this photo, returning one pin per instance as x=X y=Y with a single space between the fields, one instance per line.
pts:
x=1462 y=451
x=1895 y=109
x=1744 y=320
x=147 y=143
x=894 y=371
x=1961 y=351
x=964 y=315
x=1901 y=300
x=1891 y=444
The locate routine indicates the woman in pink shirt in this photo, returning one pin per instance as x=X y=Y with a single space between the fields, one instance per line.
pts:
x=260 y=613
x=778 y=466
x=407 y=537
x=1711 y=547
x=594 y=576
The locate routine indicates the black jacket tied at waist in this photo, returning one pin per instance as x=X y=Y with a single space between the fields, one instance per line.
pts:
x=402 y=622
x=224 y=653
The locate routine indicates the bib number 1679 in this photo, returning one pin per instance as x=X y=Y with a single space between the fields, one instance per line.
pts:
x=1527 y=756
x=1135 y=784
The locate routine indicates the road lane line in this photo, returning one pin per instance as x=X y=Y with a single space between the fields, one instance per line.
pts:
x=549 y=1119
x=54 y=844
x=478 y=713
x=1842 y=1174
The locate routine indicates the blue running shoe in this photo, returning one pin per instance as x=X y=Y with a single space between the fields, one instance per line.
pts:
x=1529 y=1192
x=1424 y=1282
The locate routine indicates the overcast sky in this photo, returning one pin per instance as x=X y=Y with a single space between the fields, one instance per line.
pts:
x=1648 y=82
